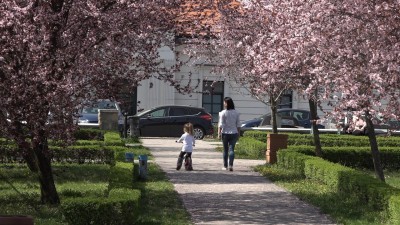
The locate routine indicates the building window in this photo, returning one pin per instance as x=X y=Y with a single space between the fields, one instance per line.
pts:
x=286 y=100
x=213 y=94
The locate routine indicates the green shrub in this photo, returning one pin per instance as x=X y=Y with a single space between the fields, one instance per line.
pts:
x=367 y=189
x=328 y=140
x=80 y=190
x=355 y=157
x=119 y=152
x=133 y=139
x=88 y=142
x=22 y=196
x=292 y=160
x=4 y=141
x=82 y=154
x=323 y=171
x=112 y=138
x=258 y=135
x=122 y=176
x=394 y=210
x=130 y=202
x=120 y=207
x=10 y=154
x=346 y=181
x=250 y=148
x=89 y=134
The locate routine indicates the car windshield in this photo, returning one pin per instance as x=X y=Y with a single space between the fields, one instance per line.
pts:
x=99 y=105
x=90 y=110
x=144 y=112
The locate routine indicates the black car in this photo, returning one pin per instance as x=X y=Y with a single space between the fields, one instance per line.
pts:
x=290 y=118
x=168 y=121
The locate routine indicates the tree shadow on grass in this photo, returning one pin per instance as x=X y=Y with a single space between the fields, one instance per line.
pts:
x=160 y=203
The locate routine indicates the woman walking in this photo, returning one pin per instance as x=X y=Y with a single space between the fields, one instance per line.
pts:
x=228 y=131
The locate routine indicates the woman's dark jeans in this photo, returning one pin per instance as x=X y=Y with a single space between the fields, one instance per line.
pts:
x=229 y=142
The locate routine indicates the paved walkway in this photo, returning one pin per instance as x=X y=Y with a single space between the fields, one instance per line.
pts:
x=213 y=196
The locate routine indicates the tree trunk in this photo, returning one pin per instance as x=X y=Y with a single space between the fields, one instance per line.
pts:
x=315 y=131
x=25 y=147
x=29 y=157
x=273 y=114
x=48 y=190
x=374 y=148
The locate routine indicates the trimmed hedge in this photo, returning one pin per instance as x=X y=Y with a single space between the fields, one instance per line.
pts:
x=328 y=140
x=346 y=181
x=122 y=175
x=120 y=207
x=88 y=150
x=112 y=138
x=9 y=154
x=356 y=157
x=130 y=203
x=250 y=148
x=82 y=154
x=88 y=142
x=119 y=152
x=89 y=134
x=72 y=154
x=292 y=159
x=393 y=211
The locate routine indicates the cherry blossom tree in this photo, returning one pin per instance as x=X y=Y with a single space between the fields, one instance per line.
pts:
x=239 y=44
x=56 y=56
x=292 y=52
x=360 y=47
x=255 y=46
x=351 y=49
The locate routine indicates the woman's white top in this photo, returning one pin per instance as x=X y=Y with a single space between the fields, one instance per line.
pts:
x=188 y=142
x=229 y=121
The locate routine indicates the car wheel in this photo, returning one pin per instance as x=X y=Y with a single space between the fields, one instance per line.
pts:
x=198 y=133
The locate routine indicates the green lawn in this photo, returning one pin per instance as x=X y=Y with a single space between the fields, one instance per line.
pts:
x=343 y=210
x=20 y=194
x=161 y=203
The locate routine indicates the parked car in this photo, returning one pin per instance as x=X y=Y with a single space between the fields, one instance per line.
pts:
x=290 y=118
x=168 y=121
x=91 y=114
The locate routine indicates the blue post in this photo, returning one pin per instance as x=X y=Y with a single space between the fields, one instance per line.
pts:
x=129 y=157
x=143 y=167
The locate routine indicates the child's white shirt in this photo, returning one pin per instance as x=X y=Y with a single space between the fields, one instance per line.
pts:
x=188 y=142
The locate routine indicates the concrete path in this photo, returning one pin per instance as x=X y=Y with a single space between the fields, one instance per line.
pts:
x=213 y=196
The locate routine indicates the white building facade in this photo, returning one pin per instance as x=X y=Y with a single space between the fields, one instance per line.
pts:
x=153 y=92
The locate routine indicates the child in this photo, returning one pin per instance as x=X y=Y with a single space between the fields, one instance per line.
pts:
x=188 y=142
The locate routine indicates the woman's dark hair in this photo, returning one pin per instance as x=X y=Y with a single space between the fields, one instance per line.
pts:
x=229 y=103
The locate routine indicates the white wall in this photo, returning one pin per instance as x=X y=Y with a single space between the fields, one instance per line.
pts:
x=162 y=93
x=153 y=92
x=244 y=103
x=248 y=106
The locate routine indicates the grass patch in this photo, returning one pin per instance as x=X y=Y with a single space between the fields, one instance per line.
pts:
x=343 y=210
x=161 y=204
x=20 y=195
x=391 y=177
